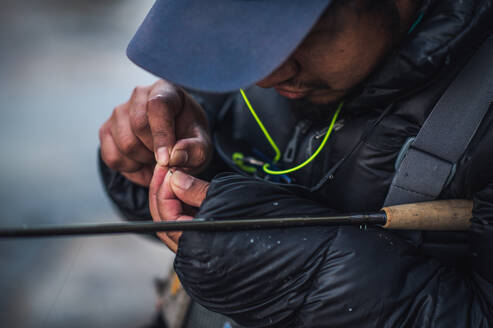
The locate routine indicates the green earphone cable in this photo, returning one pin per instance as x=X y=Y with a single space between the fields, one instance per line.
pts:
x=265 y=167
x=262 y=127
x=238 y=160
x=311 y=158
x=238 y=157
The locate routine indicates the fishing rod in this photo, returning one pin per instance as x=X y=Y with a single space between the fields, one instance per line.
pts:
x=442 y=215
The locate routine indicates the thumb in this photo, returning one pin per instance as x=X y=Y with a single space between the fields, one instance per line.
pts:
x=188 y=189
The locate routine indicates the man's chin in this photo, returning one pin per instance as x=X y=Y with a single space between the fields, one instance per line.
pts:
x=315 y=96
x=325 y=98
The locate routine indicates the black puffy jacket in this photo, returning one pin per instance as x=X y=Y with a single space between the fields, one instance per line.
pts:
x=346 y=276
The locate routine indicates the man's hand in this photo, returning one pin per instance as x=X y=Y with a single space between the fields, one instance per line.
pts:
x=159 y=123
x=174 y=197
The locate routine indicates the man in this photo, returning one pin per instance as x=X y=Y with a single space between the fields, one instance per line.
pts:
x=376 y=69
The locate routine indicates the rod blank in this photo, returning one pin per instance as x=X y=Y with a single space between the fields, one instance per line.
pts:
x=442 y=215
x=196 y=224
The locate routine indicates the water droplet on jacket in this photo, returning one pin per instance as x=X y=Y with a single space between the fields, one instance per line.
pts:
x=350 y=309
x=275 y=204
x=278 y=242
x=251 y=241
x=304 y=239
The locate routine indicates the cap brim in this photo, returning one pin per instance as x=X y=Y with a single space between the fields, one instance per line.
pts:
x=221 y=45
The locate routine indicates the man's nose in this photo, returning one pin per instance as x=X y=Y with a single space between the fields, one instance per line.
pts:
x=285 y=72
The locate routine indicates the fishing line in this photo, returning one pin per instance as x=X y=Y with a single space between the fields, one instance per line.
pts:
x=64 y=283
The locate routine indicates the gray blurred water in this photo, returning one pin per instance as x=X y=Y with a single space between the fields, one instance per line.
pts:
x=62 y=70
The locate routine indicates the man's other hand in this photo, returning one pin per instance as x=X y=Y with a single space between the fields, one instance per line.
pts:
x=160 y=123
x=174 y=197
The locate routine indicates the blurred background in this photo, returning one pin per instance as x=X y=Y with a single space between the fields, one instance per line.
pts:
x=63 y=69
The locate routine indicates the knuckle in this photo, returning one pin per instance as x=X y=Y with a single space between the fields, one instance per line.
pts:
x=138 y=90
x=161 y=134
x=120 y=111
x=117 y=114
x=139 y=121
x=129 y=145
x=113 y=161
x=202 y=188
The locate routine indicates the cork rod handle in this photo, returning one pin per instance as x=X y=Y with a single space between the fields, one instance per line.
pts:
x=446 y=215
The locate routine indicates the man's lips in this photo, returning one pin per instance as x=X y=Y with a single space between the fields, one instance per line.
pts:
x=292 y=94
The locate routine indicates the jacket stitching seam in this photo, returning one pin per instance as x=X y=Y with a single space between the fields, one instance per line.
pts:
x=316 y=273
x=412 y=191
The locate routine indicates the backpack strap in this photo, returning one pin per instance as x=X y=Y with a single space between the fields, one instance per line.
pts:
x=430 y=160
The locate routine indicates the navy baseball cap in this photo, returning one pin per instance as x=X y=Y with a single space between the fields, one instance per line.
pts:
x=221 y=45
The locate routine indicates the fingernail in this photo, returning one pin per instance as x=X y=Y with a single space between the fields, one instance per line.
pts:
x=181 y=180
x=162 y=156
x=179 y=157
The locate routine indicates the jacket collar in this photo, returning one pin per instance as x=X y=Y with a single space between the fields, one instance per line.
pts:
x=446 y=28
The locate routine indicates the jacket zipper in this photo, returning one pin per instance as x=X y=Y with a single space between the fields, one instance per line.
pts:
x=300 y=129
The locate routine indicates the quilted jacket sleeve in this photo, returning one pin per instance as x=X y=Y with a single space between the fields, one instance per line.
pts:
x=329 y=276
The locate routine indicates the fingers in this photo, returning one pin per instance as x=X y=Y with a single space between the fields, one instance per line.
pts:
x=156 y=182
x=164 y=104
x=191 y=154
x=126 y=140
x=141 y=177
x=166 y=205
x=145 y=130
x=188 y=189
x=170 y=208
x=138 y=115
x=157 y=116
x=112 y=156
x=152 y=114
